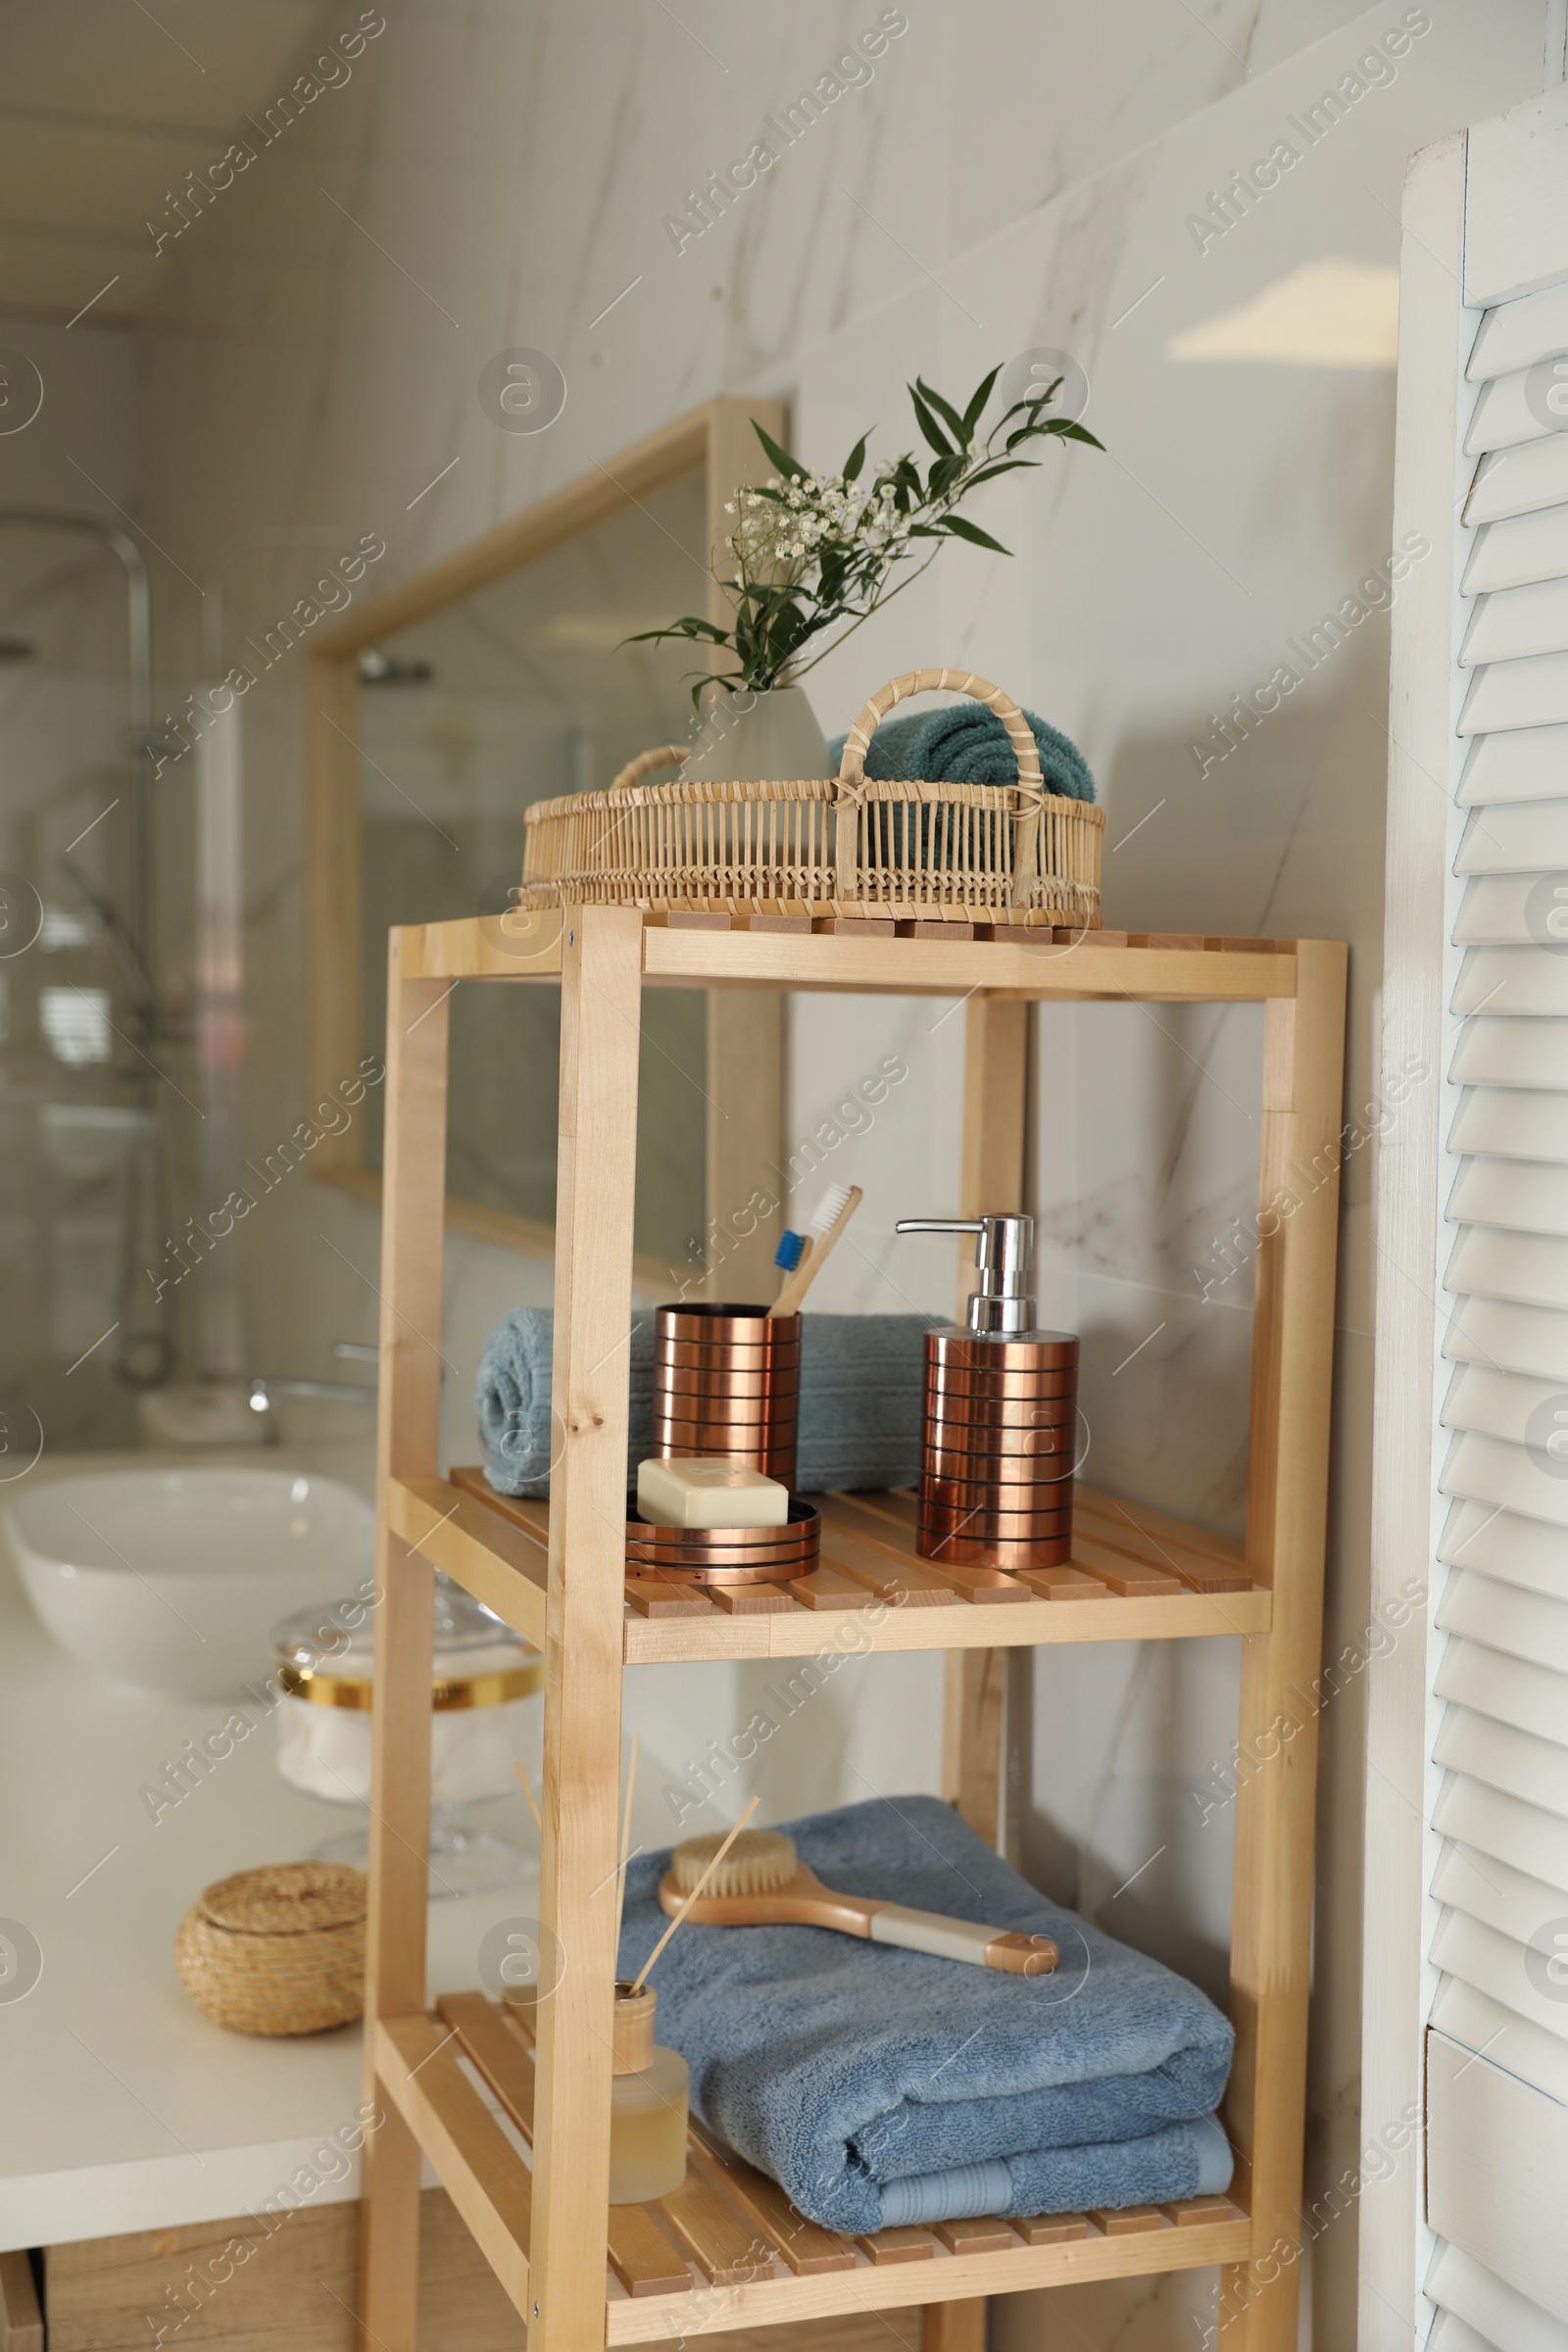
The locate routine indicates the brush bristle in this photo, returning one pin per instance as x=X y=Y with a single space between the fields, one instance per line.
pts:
x=788 y=1252
x=827 y=1208
x=759 y=1861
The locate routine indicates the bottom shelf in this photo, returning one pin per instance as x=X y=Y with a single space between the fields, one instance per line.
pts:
x=728 y=2249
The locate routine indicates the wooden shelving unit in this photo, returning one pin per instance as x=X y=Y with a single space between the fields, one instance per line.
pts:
x=728 y=2251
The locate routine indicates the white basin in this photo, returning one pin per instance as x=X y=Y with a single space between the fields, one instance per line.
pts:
x=172 y=1580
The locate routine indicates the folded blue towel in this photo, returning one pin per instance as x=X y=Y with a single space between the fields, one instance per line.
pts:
x=881 y=2086
x=862 y=1393
x=965 y=743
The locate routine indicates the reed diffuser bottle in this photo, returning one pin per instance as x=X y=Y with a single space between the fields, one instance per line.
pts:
x=998 y=1439
x=650 y=2091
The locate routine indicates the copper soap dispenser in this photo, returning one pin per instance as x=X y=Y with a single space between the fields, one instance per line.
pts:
x=1001 y=1414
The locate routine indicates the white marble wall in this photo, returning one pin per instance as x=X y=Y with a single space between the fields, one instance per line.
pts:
x=1014 y=175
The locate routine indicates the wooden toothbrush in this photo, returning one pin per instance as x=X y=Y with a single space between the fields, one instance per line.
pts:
x=834 y=1210
x=759 y=1880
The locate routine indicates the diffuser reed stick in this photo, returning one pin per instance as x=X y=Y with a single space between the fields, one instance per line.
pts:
x=533 y=1801
x=625 y=1836
x=642 y=1974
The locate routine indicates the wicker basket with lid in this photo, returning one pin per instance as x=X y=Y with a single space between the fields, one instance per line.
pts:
x=278 y=1951
x=1009 y=853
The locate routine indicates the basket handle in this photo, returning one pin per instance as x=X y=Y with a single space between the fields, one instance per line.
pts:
x=856 y=743
x=667 y=754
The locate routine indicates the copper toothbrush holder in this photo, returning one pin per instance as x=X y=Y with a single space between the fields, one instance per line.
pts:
x=727 y=1383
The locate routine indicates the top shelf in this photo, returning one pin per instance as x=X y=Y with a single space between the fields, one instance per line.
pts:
x=917 y=955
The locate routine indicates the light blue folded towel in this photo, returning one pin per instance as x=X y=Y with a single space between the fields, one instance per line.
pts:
x=965 y=743
x=861 y=1391
x=881 y=2086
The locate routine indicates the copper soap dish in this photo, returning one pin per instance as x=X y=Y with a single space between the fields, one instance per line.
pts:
x=727 y=1555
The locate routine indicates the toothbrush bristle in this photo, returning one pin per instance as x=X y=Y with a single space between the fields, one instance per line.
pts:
x=788 y=1252
x=827 y=1208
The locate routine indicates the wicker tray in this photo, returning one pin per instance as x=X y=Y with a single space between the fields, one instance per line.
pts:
x=828 y=846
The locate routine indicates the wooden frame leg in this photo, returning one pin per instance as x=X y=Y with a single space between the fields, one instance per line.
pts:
x=408 y=1442
x=1287 y=1504
x=600 y=998
x=956 y=2326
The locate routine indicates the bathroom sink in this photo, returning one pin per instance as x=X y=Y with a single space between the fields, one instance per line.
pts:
x=171 y=1581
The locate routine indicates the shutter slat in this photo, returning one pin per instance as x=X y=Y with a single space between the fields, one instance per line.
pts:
x=1489 y=1263
x=1511 y=1827
x=1490 y=1470
x=1505 y=418
x=1483 y=2024
x=1515 y=838
x=1530 y=693
x=1500 y=2314
x=1505 y=910
x=1519 y=548
x=1497 y=1682
x=1528 y=763
x=1497 y=1404
x=1506 y=1758
x=1501 y=1544
x=1516 y=980
x=1510 y=1123
x=1533 y=1339
x=1513 y=622
x=1528 y=1195
x=1481 y=1886
x=1504 y=1053
x=1516 y=334
x=1519 y=480
x=1494 y=1964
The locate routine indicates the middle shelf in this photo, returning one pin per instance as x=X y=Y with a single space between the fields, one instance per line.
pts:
x=1137 y=1575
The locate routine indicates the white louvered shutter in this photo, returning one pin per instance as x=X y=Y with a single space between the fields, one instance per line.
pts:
x=1496 y=2085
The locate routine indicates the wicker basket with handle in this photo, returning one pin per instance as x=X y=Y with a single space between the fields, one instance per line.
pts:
x=829 y=845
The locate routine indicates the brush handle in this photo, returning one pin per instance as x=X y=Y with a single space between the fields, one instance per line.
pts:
x=788 y=1301
x=795 y=1281
x=960 y=1940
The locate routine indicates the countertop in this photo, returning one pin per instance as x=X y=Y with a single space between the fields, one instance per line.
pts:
x=122 y=2106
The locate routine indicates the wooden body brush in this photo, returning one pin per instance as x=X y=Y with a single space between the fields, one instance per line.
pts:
x=762 y=1882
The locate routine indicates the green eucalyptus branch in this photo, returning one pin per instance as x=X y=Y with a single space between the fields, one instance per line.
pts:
x=814 y=553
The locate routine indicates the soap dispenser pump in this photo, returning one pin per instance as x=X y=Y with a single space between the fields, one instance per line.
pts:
x=999 y=1436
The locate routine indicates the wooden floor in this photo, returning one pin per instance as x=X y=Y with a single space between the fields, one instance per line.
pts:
x=728 y=2248
x=1137 y=1575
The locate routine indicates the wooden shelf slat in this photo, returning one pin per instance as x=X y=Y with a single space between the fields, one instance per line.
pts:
x=983 y=2236
x=1052 y=2228
x=728 y=2249
x=806 y=2246
x=885 y=2246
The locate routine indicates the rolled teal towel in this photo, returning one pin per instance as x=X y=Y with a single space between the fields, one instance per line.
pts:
x=513 y=1400
x=861 y=1390
x=965 y=743
x=881 y=2086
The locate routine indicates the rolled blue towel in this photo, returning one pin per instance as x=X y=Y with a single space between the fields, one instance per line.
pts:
x=965 y=743
x=881 y=2086
x=861 y=1390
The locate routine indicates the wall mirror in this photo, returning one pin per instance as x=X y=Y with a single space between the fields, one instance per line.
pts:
x=436 y=714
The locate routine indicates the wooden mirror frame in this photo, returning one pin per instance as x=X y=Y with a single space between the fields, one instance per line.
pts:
x=745 y=1071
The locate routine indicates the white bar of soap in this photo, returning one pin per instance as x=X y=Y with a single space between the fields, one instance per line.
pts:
x=707 y=1492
